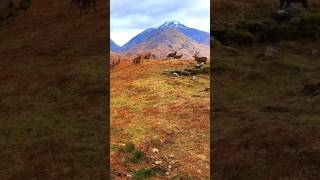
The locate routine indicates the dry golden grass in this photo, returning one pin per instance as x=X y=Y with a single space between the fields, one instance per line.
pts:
x=154 y=110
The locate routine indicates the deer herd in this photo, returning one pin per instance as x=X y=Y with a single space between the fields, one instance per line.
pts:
x=11 y=8
x=138 y=59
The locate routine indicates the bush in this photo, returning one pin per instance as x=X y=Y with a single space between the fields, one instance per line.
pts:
x=143 y=173
x=233 y=36
x=136 y=156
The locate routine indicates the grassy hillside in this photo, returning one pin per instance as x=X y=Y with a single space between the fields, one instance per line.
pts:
x=152 y=108
x=53 y=93
x=266 y=126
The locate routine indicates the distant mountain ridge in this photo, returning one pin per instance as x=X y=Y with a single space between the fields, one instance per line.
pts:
x=198 y=36
x=114 y=47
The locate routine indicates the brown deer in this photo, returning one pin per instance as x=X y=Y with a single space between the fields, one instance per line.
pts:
x=171 y=55
x=178 y=56
x=115 y=63
x=199 y=59
x=137 y=60
x=84 y=5
x=288 y=2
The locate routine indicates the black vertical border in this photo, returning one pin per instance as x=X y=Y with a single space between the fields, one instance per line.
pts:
x=107 y=40
x=213 y=92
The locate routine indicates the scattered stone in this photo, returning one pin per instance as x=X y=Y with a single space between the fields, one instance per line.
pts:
x=315 y=52
x=199 y=171
x=155 y=150
x=176 y=74
x=193 y=77
x=158 y=162
x=171 y=156
x=271 y=53
x=167 y=173
x=295 y=21
x=169 y=167
x=129 y=176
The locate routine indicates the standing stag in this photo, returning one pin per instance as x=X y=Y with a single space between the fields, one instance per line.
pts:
x=199 y=59
x=137 y=60
x=178 y=56
x=171 y=55
x=288 y=2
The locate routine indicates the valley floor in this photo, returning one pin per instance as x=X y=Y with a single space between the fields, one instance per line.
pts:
x=154 y=111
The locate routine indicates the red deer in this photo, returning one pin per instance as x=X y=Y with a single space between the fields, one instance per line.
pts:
x=137 y=60
x=84 y=5
x=288 y=2
x=199 y=59
x=171 y=55
x=178 y=56
x=115 y=63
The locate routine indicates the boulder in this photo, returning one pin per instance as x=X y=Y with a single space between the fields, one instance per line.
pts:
x=281 y=15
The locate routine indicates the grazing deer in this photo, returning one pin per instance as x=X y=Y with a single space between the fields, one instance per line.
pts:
x=288 y=2
x=137 y=60
x=178 y=56
x=199 y=59
x=171 y=55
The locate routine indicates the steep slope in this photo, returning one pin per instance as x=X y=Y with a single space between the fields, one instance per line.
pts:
x=166 y=41
x=194 y=34
x=114 y=47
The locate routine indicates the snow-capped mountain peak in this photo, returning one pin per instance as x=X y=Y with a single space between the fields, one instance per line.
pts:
x=171 y=24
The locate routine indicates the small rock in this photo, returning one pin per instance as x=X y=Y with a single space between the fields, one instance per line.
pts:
x=176 y=74
x=271 y=53
x=155 y=150
x=167 y=173
x=158 y=162
x=193 y=77
x=169 y=166
x=295 y=21
x=171 y=156
x=129 y=176
x=199 y=171
x=281 y=15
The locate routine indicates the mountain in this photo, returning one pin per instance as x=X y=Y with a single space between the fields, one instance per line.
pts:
x=198 y=36
x=114 y=47
x=160 y=43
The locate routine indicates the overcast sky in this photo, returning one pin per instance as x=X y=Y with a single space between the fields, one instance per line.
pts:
x=130 y=17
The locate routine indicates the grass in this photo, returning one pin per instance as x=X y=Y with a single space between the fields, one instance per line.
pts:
x=143 y=173
x=262 y=122
x=158 y=113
